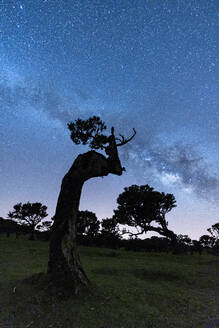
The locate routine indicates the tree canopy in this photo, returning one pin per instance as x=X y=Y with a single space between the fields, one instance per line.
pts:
x=214 y=231
x=145 y=209
x=207 y=241
x=88 y=132
x=109 y=227
x=30 y=214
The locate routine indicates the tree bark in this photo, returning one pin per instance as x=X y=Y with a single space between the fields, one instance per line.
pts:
x=64 y=266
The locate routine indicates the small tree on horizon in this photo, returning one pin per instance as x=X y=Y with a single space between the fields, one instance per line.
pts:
x=87 y=223
x=184 y=240
x=110 y=233
x=109 y=227
x=29 y=214
x=214 y=231
x=207 y=241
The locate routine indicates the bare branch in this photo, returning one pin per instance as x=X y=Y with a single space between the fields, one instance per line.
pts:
x=145 y=230
x=124 y=141
x=133 y=234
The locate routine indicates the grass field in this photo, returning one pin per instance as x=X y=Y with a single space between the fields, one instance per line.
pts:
x=129 y=290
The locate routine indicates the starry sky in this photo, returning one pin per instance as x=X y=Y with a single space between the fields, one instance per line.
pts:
x=148 y=64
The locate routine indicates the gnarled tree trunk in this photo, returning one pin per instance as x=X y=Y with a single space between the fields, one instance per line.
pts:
x=64 y=264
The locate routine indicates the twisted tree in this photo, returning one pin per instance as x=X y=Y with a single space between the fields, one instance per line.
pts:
x=64 y=266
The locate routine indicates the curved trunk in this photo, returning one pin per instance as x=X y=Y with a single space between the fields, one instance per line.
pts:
x=64 y=264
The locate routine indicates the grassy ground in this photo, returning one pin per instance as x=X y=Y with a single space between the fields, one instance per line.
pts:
x=130 y=290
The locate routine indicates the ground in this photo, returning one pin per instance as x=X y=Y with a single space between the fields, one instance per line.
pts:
x=129 y=290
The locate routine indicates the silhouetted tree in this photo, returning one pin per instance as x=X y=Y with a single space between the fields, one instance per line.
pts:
x=87 y=224
x=184 y=239
x=145 y=209
x=183 y=244
x=109 y=227
x=110 y=233
x=64 y=266
x=8 y=226
x=29 y=214
x=196 y=246
x=214 y=231
x=207 y=241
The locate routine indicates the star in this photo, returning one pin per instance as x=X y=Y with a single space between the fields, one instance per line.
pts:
x=144 y=64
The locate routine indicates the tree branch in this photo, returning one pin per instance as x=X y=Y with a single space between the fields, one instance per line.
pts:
x=124 y=141
x=166 y=232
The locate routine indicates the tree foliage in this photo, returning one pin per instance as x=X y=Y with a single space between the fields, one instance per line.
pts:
x=184 y=240
x=139 y=206
x=214 y=238
x=8 y=226
x=109 y=227
x=207 y=241
x=89 y=132
x=214 y=231
x=87 y=223
x=30 y=214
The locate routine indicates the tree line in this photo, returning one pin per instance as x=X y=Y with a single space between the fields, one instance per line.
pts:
x=138 y=207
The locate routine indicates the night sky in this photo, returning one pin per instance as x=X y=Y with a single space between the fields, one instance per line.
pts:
x=146 y=64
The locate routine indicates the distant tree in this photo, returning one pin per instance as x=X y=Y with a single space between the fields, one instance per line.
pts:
x=196 y=247
x=64 y=266
x=110 y=233
x=109 y=227
x=214 y=231
x=183 y=245
x=87 y=224
x=145 y=209
x=8 y=226
x=207 y=241
x=29 y=214
x=184 y=239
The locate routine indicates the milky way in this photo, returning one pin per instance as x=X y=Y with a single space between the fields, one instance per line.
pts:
x=146 y=64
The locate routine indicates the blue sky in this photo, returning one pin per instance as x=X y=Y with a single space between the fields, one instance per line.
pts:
x=151 y=65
